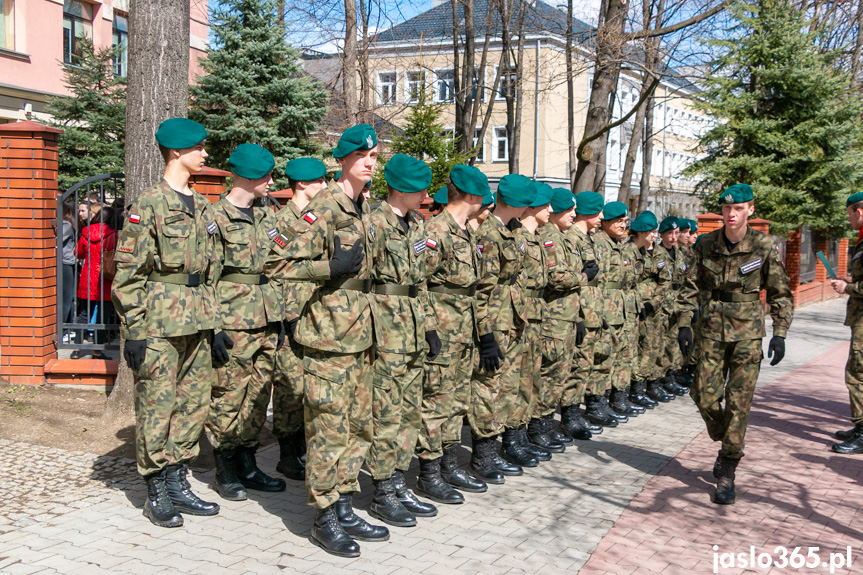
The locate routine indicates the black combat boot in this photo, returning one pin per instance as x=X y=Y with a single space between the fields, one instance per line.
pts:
x=431 y=484
x=573 y=426
x=409 y=500
x=290 y=463
x=537 y=436
x=553 y=433
x=457 y=477
x=605 y=405
x=502 y=465
x=591 y=427
x=671 y=386
x=226 y=483
x=386 y=506
x=328 y=534
x=482 y=464
x=845 y=435
x=514 y=452
x=596 y=414
x=656 y=392
x=356 y=526
x=158 y=507
x=531 y=449
x=852 y=446
x=637 y=395
x=181 y=494
x=620 y=406
x=639 y=408
x=252 y=477
x=724 y=494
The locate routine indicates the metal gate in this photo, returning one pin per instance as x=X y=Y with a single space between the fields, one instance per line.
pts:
x=86 y=238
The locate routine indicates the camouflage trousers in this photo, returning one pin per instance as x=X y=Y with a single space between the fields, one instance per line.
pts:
x=445 y=398
x=397 y=386
x=288 y=391
x=726 y=372
x=671 y=357
x=854 y=375
x=172 y=391
x=582 y=368
x=241 y=392
x=557 y=361
x=651 y=342
x=530 y=379
x=493 y=394
x=626 y=355
x=604 y=355
x=338 y=421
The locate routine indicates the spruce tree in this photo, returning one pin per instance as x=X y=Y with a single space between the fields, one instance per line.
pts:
x=787 y=122
x=93 y=118
x=255 y=90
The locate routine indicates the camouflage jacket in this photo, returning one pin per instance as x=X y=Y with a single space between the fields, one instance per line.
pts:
x=242 y=246
x=633 y=270
x=612 y=277
x=535 y=276
x=451 y=260
x=335 y=319
x=161 y=242
x=854 y=313
x=564 y=278
x=591 y=299
x=499 y=304
x=671 y=273
x=400 y=320
x=722 y=275
x=298 y=290
x=647 y=287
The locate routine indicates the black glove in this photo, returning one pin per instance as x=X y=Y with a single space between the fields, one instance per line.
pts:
x=292 y=328
x=642 y=314
x=346 y=262
x=580 y=332
x=776 y=349
x=134 y=352
x=684 y=339
x=648 y=309
x=604 y=324
x=280 y=330
x=696 y=315
x=221 y=344
x=489 y=353
x=590 y=269
x=434 y=344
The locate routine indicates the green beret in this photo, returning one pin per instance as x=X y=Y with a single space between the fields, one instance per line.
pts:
x=469 y=180
x=684 y=224
x=736 y=194
x=669 y=223
x=588 y=203
x=305 y=169
x=180 y=133
x=440 y=196
x=407 y=174
x=614 y=210
x=561 y=200
x=251 y=161
x=359 y=137
x=644 y=222
x=489 y=199
x=853 y=199
x=693 y=226
x=544 y=192
x=516 y=190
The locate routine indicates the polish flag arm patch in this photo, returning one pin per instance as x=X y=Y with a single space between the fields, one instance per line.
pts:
x=431 y=243
x=135 y=218
x=310 y=217
x=548 y=244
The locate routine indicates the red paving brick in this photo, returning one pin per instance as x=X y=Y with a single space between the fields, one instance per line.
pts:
x=791 y=489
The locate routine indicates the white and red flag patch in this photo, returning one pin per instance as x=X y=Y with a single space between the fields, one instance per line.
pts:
x=548 y=244
x=135 y=218
x=310 y=217
x=431 y=243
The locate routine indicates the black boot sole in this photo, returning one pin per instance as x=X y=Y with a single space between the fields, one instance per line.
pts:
x=436 y=499
x=169 y=524
x=419 y=513
x=843 y=451
x=481 y=477
x=467 y=488
x=553 y=449
x=603 y=423
x=264 y=488
x=367 y=539
x=215 y=488
x=392 y=522
x=718 y=501
x=193 y=511
x=333 y=551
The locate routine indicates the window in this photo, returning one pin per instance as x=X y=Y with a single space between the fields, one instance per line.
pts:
x=444 y=87
x=479 y=145
x=507 y=83
x=478 y=84
x=120 y=42
x=77 y=24
x=500 y=144
x=414 y=85
x=7 y=24
x=387 y=88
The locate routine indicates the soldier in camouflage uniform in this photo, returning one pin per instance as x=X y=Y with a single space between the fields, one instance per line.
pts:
x=306 y=177
x=404 y=336
x=251 y=317
x=733 y=264
x=335 y=329
x=643 y=234
x=686 y=240
x=164 y=292
x=852 y=440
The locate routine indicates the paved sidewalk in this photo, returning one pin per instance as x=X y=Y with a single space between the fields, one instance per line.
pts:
x=78 y=513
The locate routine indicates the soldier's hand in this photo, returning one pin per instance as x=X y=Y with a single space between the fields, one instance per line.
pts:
x=489 y=353
x=221 y=344
x=346 y=262
x=648 y=309
x=642 y=313
x=279 y=327
x=134 y=351
x=776 y=349
x=292 y=328
x=684 y=339
x=434 y=344
x=696 y=315
x=590 y=269
x=580 y=332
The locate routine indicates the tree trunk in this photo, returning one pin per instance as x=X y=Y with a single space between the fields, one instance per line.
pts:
x=602 y=142
x=514 y=120
x=366 y=81
x=349 y=64
x=570 y=94
x=157 y=89
x=631 y=153
x=646 y=156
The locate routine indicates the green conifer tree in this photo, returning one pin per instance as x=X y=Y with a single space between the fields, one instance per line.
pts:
x=787 y=122
x=255 y=90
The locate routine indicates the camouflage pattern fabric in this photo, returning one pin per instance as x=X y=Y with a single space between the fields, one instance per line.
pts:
x=854 y=318
x=646 y=288
x=627 y=353
x=612 y=279
x=582 y=369
x=534 y=279
x=604 y=355
x=446 y=398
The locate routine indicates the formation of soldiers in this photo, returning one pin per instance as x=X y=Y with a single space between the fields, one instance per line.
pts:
x=379 y=334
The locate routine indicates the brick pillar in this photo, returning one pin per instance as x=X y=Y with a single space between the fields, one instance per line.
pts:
x=820 y=270
x=708 y=223
x=28 y=250
x=792 y=259
x=842 y=267
x=210 y=182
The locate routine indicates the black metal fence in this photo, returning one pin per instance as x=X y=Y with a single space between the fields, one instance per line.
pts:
x=807 y=255
x=89 y=217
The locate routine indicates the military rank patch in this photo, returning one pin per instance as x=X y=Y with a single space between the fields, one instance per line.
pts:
x=134 y=218
x=310 y=217
x=431 y=243
x=212 y=227
x=750 y=266
x=521 y=246
x=272 y=232
x=420 y=247
x=280 y=239
x=660 y=265
x=372 y=233
x=548 y=244
x=479 y=248
x=126 y=249
x=177 y=218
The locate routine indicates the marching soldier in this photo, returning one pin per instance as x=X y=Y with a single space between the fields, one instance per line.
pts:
x=663 y=388
x=164 y=292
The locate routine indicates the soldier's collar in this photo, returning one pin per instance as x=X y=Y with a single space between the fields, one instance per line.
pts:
x=175 y=204
x=235 y=213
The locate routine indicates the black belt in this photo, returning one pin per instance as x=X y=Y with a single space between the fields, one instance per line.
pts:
x=537 y=293
x=733 y=296
x=453 y=290
x=249 y=279
x=352 y=284
x=395 y=289
x=188 y=280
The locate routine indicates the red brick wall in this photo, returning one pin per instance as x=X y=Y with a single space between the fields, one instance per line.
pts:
x=210 y=182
